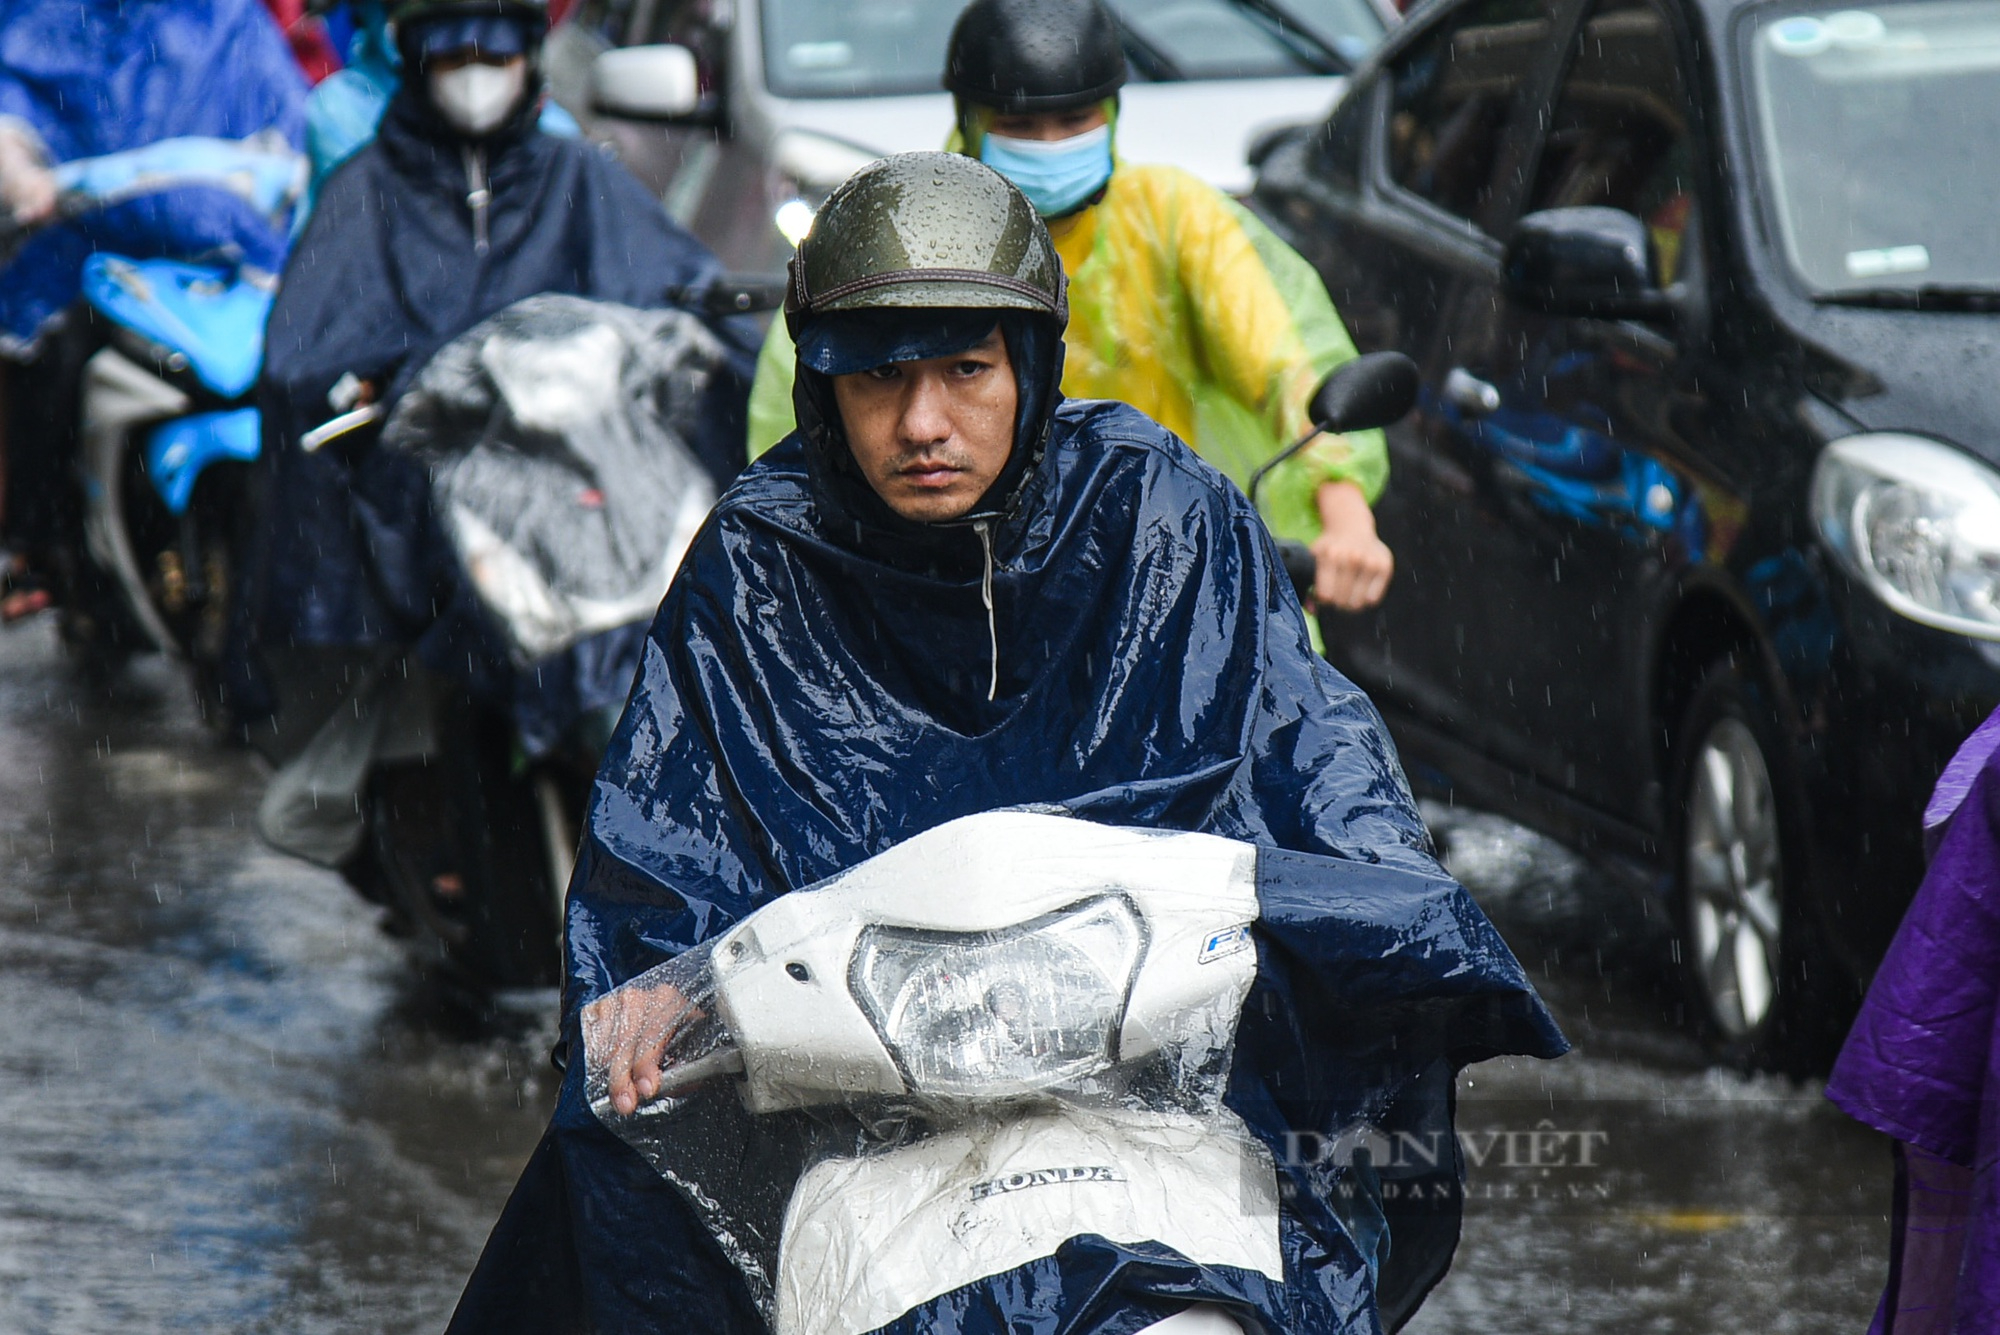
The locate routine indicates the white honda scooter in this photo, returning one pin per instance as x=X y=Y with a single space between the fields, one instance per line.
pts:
x=1008 y=1032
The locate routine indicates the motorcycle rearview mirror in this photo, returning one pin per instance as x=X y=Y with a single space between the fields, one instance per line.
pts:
x=1376 y=389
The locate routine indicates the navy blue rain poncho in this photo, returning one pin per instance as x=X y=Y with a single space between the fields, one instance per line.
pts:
x=388 y=270
x=816 y=690
x=90 y=77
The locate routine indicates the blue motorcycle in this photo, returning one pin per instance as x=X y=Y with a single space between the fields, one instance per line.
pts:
x=168 y=431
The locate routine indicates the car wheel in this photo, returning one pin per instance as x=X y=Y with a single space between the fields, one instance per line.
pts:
x=1749 y=949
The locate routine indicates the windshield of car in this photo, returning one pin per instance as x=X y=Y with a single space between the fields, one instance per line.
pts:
x=1878 y=132
x=877 y=48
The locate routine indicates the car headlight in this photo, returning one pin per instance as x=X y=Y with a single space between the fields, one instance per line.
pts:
x=805 y=169
x=986 y=1013
x=1918 y=522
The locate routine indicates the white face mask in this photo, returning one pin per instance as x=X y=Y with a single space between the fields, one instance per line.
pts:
x=475 y=99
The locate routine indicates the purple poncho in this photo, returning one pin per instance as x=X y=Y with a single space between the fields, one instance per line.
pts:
x=1922 y=1063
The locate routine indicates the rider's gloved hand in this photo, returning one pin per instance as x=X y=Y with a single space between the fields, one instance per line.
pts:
x=631 y=1026
x=1351 y=565
x=27 y=186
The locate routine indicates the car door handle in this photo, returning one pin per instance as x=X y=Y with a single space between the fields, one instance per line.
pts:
x=1469 y=394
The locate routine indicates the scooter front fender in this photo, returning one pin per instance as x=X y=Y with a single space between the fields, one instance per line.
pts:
x=178 y=451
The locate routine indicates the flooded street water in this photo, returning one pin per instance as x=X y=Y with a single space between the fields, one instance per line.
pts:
x=228 y=1103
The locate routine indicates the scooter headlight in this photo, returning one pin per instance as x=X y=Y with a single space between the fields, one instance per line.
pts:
x=1918 y=522
x=986 y=1013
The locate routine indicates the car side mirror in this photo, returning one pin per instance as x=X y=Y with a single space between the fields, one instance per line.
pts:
x=1584 y=262
x=653 y=83
x=1376 y=389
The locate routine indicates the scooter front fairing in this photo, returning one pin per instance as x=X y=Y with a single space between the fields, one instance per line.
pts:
x=198 y=317
x=1006 y=1034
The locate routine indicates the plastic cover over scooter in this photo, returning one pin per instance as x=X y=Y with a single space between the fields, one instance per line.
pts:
x=556 y=438
x=542 y=496
x=824 y=683
x=892 y=1109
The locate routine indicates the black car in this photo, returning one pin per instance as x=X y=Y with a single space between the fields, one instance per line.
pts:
x=1697 y=525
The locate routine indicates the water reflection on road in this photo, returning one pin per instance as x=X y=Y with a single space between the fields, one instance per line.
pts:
x=228 y=1103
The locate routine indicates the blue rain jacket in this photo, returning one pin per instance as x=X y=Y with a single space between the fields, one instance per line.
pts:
x=385 y=273
x=815 y=690
x=100 y=76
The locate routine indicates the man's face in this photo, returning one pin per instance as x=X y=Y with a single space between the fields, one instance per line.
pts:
x=931 y=436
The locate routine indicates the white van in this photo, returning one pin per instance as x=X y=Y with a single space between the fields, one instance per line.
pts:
x=744 y=114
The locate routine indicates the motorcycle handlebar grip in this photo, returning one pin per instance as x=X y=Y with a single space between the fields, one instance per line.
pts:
x=1299 y=565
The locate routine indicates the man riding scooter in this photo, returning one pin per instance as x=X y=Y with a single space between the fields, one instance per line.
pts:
x=460 y=208
x=951 y=591
x=1182 y=303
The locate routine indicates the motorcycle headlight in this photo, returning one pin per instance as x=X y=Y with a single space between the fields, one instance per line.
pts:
x=989 y=1013
x=1918 y=522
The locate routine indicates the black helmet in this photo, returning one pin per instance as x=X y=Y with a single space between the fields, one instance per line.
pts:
x=934 y=230
x=1035 y=55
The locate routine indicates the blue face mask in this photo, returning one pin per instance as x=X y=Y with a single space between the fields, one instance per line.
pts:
x=1056 y=174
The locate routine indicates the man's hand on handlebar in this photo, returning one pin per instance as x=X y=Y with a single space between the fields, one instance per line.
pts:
x=632 y=1026
x=1351 y=565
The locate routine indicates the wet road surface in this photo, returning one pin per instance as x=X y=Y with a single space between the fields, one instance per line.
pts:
x=228 y=1103
x=1629 y=1187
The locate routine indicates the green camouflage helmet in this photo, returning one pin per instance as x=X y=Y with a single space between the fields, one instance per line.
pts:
x=926 y=230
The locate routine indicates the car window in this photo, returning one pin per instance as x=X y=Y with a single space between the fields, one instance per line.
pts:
x=1619 y=136
x=602 y=18
x=875 y=48
x=698 y=25
x=1878 y=132
x=1225 y=39
x=1451 y=96
x=1342 y=145
x=679 y=21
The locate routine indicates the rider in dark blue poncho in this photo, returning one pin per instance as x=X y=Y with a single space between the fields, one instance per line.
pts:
x=439 y=223
x=1108 y=629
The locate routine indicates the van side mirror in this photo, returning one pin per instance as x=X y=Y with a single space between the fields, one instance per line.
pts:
x=653 y=83
x=1584 y=262
x=1375 y=389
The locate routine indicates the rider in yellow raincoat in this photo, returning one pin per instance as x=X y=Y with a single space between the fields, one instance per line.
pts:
x=1182 y=303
